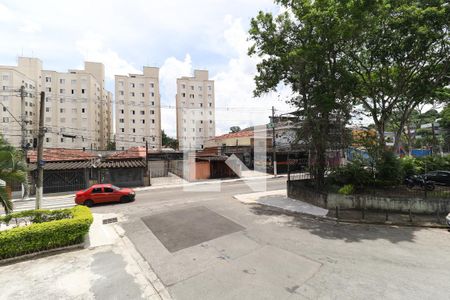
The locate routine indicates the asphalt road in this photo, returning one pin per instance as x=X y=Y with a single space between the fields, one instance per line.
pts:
x=207 y=245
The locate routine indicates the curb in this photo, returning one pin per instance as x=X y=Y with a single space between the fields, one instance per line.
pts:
x=347 y=221
x=39 y=254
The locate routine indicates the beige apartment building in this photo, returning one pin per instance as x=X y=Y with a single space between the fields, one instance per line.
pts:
x=138 y=110
x=195 y=104
x=77 y=105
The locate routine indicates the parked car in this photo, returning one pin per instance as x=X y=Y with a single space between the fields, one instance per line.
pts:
x=448 y=220
x=439 y=177
x=104 y=193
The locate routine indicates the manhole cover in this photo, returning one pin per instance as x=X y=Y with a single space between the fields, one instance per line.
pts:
x=109 y=220
x=189 y=227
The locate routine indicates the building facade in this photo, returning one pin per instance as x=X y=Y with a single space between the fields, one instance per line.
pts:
x=195 y=109
x=138 y=110
x=77 y=105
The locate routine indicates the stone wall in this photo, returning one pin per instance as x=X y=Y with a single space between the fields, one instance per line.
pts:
x=300 y=190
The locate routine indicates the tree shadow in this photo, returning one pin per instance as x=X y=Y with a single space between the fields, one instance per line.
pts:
x=332 y=230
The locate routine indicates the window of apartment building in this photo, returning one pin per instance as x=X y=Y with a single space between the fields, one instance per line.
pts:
x=133 y=139
x=73 y=92
x=132 y=85
x=62 y=91
x=4 y=108
x=201 y=122
x=133 y=121
x=152 y=112
x=122 y=129
x=134 y=130
x=199 y=87
x=143 y=121
x=5 y=77
x=142 y=112
x=47 y=109
x=74 y=120
x=143 y=94
x=62 y=81
x=143 y=139
x=122 y=111
x=184 y=129
x=132 y=94
x=192 y=87
x=5 y=120
x=183 y=95
x=48 y=120
x=121 y=120
x=61 y=100
x=199 y=130
x=153 y=94
x=49 y=89
x=210 y=113
x=48 y=79
x=153 y=121
x=62 y=120
x=47 y=140
x=209 y=88
x=153 y=102
x=133 y=112
x=83 y=91
x=141 y=85
x=73 y=81
x=83 y=110
x=209 y=104
x=201 y=104
x=121 y=93
x=120 y=83
x=210 y=121
x=62 y=140
x=61 y=110
x=74 y=110
x=183 y=86
x=152 y=85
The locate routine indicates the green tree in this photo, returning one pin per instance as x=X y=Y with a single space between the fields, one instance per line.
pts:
x=12 y=169
x=301 y=48
x=399 y=55
x=168 y=141
x=234 y=129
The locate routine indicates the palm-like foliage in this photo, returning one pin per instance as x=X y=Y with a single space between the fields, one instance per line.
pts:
x=12 y=169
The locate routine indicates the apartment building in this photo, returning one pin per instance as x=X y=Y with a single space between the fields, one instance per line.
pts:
x=138 y=110
x=77 y=105
x=12 y=78
x=195 y=103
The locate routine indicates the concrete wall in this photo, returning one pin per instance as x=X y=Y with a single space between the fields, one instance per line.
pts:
x=302 y=191
x=158 y=168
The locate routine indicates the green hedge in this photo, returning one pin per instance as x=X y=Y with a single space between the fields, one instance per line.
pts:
x=47 y=235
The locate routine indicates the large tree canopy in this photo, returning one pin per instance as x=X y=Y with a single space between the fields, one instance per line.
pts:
x=400 y=56
x=302 y=49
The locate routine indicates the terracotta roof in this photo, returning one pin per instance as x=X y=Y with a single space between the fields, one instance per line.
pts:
x=133 y=152
x=137 y=163
x=245 y=133
x=63 y=165
x=60 y=154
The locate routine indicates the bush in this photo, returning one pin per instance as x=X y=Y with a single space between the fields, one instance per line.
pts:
x=388 y=168
x=47 y=235
x=355 y=173
x=37 y=215
x=347 y=189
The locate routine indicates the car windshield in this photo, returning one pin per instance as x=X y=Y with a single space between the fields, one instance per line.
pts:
x=115 y=187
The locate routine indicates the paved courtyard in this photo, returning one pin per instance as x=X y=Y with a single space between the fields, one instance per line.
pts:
x=209 y=245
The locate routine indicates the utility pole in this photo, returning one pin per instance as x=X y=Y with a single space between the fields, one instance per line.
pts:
x=274 y=149
x=40 y=154
x=23 y=120
x=146 y=163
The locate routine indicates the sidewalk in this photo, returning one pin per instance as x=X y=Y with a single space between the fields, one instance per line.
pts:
x=108 y=268
x=278 y=199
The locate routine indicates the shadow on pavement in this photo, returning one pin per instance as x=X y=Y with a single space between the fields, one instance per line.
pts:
x=349 y=233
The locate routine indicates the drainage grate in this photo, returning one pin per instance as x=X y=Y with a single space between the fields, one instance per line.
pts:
x=110 y=220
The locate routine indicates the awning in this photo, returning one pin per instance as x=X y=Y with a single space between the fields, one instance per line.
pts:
x=122 y=164
x=63 y=165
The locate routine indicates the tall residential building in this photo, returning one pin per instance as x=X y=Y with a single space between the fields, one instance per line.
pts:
x=77 y=105
x=195 y=103
x=138 y=110
x=12 y=78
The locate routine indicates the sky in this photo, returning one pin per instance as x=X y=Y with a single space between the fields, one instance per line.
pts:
x=176 y=36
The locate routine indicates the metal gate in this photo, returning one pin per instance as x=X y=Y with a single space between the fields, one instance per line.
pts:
x=64 y=181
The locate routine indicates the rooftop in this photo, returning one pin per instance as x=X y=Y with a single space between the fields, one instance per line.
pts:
x=60 y=154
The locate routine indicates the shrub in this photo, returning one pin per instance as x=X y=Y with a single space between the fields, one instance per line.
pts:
x=388 y=168
x=347 y=189
x=354 y=172
x=38 y=215
x=410 y=166
x=47 y=235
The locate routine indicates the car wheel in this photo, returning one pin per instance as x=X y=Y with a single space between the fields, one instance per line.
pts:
x=430 y=187
x=88 y=203
x=124 y=199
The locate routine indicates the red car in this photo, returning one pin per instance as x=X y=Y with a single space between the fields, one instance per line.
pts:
x=103 y=193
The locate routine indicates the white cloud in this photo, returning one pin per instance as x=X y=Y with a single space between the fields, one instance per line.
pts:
x=168 y=74
x=235 y=84
x=6 y=14
x=30 y=26
x=93 y=49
